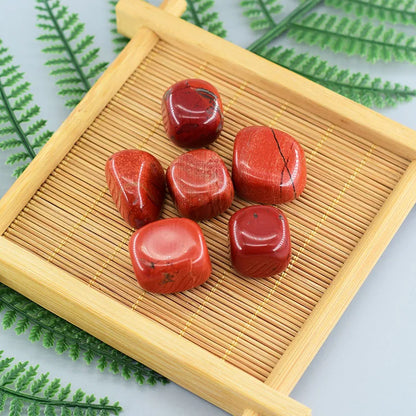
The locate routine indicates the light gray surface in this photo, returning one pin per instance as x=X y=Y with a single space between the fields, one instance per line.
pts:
x=366 y=367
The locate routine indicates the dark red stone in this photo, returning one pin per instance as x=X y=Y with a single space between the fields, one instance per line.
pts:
x=260 y=241
x=269 y=166
x=192 y=113
x=136 y=182
x=200 y=184
x=170 y=256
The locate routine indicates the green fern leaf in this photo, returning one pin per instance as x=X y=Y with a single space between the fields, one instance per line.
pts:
x=119 y=40
x=393 y=11
x=22 y=325
x=33 y=409
x=72 y=102
x=6 y=130
x=35 y=127
x=9 y=319
x=48 y=339
x=10 y=144
x=69 y=338
x=13 y=79
x=35 y=333
x=354 y=37
x=11 y=376
x=17 y=157
x=23 y=382
x=358 y=87
x=29 y=114
x=261 y=12
x=198 y=14
x=95 y=70
x=40 y=140
x=19 y=387
x=77 y=54
x=21 y=102
x=16 y=407
x=69 y=81
x=19 y=170
x=14 y=113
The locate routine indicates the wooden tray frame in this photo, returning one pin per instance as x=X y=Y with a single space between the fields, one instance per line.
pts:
x=175 y=357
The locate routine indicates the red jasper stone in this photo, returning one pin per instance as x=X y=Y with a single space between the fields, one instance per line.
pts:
x=192 y=113
x=260 y=241
x=170 y=256
x=136 y=182
x=200 y=184
x=269 y=166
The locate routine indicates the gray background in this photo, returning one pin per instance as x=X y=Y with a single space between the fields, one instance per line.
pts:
x=366 y=367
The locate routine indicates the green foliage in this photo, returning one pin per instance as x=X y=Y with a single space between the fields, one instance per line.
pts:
x=54 y=332
x=359 y=87
x=198 y=13
x=120 y=41
x=393 y=11
x=21 y=386
x=19 y=128
x=260 y=13
x=354 y=37
x=75 y=64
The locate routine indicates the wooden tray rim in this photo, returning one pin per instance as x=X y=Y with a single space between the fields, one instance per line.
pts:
x=234 y=390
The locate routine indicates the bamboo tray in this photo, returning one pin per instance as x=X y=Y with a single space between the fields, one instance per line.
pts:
x=240 y=343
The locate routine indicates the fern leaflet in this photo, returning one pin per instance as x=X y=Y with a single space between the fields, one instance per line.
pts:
x=393 y=11
x=354 y=37
x=260 y=13
x=17 y=127
x=198 y=13
x=119 y=40
x=358 y=87
x=21 y=386
x=54 y=332
x=75 y=66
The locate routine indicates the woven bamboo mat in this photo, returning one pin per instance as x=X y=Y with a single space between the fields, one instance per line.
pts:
x=72 y=222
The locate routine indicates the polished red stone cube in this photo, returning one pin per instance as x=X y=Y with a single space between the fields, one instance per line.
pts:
x=192 y=113
x=259 y=241
x=136 y=181
x=170 y=256
x=269 y=165
x=200 y=184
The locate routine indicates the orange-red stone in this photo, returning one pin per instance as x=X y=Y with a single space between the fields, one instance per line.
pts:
x=192 y=113
x=136 y=181
x=200 y=184
x=269 y=166
x=259 y=241
x=170 y=255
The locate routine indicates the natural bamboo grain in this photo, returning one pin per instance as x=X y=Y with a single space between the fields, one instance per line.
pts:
x=256 y=325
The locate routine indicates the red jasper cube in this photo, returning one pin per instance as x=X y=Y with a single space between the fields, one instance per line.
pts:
x=136 y=181
x=269 y=166
x=192 y=113
x=260 y=241
x=200 y=184
x=170 y=255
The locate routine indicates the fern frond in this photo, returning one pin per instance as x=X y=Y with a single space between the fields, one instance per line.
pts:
x=54 y=332
x=354 y=37
x=372 y=92
x=15 y=114
x=198 y=13
x=62 y=31
x=261 y=12
x=20 y=386
x=393 y=11
x=119 y=40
